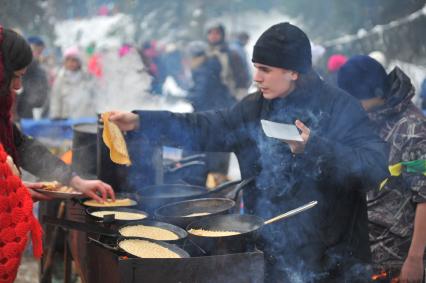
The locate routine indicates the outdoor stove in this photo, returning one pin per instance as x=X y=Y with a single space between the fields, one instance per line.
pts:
x=108 y=266
x=98 y=262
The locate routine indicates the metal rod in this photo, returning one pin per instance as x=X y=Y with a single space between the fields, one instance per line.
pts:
x=292 y=212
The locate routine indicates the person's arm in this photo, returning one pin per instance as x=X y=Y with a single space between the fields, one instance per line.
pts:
x=413 y=268
x=39 y=161
x=35 y=158
x=203 y=131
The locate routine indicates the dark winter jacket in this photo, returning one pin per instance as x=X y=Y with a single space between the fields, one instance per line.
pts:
x=391 y=210
x=35 y=92
x=342 y=158
x=208 y=91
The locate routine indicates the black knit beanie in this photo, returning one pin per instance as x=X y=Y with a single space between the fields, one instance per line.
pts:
x=284 y=46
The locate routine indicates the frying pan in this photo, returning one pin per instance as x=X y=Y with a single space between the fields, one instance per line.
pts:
x=181 y=233
x=115 y=233
x=176 y=213
x=248 y=227
x=153 y=197
x=117 y=248
x=110 y=218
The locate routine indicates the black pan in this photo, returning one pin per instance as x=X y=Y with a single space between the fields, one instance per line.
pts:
x=248 y=227
x=153 y=197
x=115 y=233
x=118 y=249
x=110 y=219
x=181 y=233
x=177 y=213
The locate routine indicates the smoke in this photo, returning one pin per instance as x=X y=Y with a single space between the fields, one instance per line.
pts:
x=292 y=246
x=125 y=83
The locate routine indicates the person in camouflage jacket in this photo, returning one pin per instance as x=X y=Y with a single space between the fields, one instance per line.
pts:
x=396 y=211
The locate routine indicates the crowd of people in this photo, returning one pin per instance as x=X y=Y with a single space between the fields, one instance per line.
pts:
x=356 y=121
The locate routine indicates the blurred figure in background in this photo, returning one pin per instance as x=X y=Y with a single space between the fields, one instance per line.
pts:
x=234 y=73
x=208 y=91
x=94 y=66
x=35 y=86
x=334 y=63
x=152 y=58
x=397 y=212
x=173 y=63
x=73 y=91
x=239 y=46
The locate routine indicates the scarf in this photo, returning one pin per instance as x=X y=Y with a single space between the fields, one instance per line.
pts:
x=16 y=220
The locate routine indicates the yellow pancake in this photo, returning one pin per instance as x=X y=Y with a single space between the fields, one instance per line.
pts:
x=110 y=203
x=114 y=140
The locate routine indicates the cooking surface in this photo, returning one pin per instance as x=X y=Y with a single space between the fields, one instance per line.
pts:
x=212 y=269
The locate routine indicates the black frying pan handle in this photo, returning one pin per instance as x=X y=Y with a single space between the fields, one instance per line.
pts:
x=197 y=246
x=81 y=226
x=185 y=166
x=242 y=186
x=225 y=185
x=103 y=244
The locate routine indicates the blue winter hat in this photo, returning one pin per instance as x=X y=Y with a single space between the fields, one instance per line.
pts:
x=363 y=77
x=36 y=40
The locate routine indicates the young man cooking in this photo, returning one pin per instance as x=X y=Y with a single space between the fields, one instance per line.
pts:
x=340 y=156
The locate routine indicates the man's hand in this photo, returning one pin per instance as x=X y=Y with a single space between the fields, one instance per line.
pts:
x=412 y=270
x=297 y=146
x=126 y=121
x=91 y=188
x=36 y=196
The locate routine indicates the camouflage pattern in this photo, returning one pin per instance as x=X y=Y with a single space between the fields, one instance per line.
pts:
x=391 y=210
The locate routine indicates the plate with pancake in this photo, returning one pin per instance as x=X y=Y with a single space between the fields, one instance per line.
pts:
x=57 y=190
